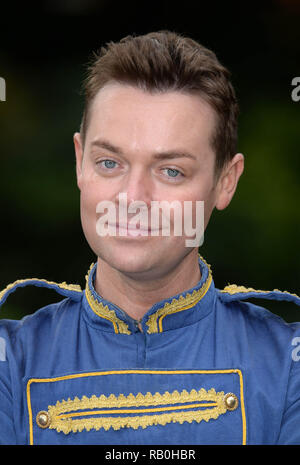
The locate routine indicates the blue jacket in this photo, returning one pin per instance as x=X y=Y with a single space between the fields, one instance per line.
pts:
x=208 y=368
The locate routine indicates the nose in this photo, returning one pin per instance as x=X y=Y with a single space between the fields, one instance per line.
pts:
x=138 y=186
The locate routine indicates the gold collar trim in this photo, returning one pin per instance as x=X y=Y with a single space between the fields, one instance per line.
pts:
x=103 y=311
x=154 y=322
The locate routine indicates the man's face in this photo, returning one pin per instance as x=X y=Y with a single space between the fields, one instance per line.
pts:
x=128 y=148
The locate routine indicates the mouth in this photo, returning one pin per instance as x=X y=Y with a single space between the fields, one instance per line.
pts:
x=133 y=229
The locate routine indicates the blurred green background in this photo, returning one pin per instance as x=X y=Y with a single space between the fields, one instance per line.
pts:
x=43 y=53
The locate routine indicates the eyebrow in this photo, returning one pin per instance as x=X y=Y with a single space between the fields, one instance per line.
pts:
x=169 y=154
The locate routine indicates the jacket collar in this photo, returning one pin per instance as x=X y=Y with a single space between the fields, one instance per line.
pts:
x=174 y=312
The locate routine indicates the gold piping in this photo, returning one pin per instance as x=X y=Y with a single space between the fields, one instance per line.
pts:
x=120 y=372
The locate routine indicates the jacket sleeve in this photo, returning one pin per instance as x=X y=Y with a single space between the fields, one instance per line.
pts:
x=7 y=430
x=290 y=426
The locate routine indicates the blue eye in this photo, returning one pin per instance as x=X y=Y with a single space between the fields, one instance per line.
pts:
x=109 y=164
x=172 y=172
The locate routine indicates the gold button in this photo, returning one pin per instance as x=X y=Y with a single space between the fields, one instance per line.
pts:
x=43 y=419
x=231 y=401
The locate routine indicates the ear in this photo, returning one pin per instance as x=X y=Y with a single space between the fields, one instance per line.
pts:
x=79 y=157
x=228 y=181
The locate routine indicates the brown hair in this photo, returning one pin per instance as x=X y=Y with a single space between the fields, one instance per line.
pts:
x=166 y=61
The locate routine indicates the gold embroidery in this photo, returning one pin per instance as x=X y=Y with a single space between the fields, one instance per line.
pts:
x=120 y=372
x=234 y=289
x=131 y=400
x=63 y=285
x=103 y=311
x=208 y=405
x=182 y=303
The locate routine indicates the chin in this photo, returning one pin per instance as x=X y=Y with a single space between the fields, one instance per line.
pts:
x=143 y=260
x=128 y=261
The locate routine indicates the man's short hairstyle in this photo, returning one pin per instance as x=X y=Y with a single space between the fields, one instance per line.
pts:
x=167 y=61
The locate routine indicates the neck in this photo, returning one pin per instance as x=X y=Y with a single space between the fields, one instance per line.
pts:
x=136 y=296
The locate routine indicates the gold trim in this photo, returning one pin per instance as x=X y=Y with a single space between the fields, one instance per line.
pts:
x=120 y=372
x=234 y=289
x=103 y=311
x=62 y=421
x=63 y=285
x=132 y=400
x=154 y=322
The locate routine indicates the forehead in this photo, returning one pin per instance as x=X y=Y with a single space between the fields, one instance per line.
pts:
x=151 y=119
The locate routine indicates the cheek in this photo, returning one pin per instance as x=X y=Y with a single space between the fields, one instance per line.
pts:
x=88 y=200
x=205 y=193
x=93 y=192
x=209 y=204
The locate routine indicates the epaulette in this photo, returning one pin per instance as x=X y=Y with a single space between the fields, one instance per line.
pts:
x=233 y=292
x=67 y=290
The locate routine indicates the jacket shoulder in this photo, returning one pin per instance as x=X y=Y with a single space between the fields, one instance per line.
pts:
x=265 y=324
x=233 y=292
x=72 y=291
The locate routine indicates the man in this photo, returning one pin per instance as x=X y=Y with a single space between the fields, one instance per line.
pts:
x=151 y=352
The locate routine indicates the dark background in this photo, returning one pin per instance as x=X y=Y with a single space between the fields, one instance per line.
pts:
x=43 y=53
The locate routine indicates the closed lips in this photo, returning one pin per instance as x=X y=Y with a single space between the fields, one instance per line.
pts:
x=133 y=227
